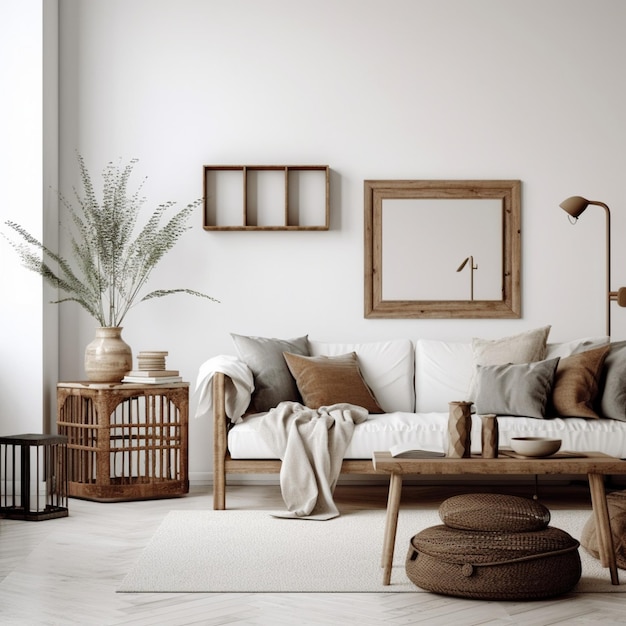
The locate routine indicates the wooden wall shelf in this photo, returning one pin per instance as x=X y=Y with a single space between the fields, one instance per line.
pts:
x=266 y=197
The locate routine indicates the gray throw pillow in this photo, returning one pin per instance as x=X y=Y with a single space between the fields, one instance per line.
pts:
x=515 y=389
x=613 y=393
x=526 y=347
x=273 y=382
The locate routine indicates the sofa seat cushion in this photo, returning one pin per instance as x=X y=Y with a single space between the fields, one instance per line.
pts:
x=430 y=431
x=378 y=432
x=576 y=433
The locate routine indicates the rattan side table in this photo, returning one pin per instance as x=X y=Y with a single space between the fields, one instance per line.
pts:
x=125 y=441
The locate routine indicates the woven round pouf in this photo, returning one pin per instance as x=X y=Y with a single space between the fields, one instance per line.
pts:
x=495 y=512
x=518 y=557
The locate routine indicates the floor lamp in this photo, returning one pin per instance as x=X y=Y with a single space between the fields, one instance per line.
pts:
x=574 y=206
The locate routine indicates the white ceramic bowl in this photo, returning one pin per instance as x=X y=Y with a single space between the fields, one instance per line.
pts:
x=535 y=446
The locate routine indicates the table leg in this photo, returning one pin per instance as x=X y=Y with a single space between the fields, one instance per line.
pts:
x=391 y=524
x=603 y=525
x=388 y=523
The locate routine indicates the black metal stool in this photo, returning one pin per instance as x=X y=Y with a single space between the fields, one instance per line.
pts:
x=41 y=459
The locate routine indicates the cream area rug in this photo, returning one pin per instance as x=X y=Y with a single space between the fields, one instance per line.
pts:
x=251 y=551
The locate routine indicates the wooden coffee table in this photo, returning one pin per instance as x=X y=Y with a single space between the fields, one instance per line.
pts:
x=595 y=465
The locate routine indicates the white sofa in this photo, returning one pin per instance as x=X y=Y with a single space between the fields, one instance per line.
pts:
x=413 y=382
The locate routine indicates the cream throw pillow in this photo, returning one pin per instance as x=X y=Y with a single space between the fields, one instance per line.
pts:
x=526 y=347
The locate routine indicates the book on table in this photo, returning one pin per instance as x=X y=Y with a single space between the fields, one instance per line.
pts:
x=152 y=380
x=152 y=373
x=404 y=451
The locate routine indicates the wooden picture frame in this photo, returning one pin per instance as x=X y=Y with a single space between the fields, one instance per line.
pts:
x=416 y=223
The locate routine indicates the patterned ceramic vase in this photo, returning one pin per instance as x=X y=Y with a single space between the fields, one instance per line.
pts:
x=108 y=357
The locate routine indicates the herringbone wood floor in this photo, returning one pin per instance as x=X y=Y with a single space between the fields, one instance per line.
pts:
x=66 y=571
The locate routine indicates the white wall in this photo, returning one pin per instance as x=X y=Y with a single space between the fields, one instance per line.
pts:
x=29 y=328
x=417 y=89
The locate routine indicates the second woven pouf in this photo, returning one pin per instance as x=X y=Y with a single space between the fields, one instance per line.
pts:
x=494 y=547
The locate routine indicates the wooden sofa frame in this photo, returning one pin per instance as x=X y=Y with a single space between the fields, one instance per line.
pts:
x=223 y=464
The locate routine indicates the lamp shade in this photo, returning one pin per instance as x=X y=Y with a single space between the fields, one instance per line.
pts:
x=575 y=205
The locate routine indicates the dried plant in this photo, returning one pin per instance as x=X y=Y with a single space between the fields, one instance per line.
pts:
x=111 y=264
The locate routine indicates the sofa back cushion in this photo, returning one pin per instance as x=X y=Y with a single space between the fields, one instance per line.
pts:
x=575 y=346
x=444 y=370
x=386 y=366
x=443 y=373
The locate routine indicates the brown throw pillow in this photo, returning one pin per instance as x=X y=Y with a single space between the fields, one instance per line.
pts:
x=576 y=383
x=326 y=380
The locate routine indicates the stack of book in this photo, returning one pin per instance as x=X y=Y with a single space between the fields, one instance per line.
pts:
x=151 y=370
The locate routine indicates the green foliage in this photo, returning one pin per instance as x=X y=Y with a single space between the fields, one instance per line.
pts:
x=111 y=264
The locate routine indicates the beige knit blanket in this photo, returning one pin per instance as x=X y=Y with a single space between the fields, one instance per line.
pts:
x=311 y=444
